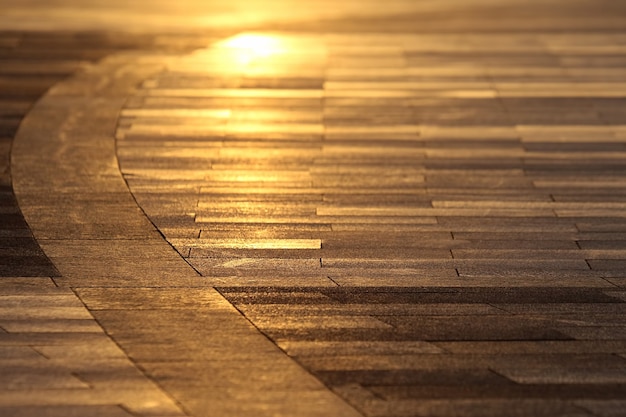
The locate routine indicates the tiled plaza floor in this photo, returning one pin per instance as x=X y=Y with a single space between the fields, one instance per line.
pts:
x=376 y=215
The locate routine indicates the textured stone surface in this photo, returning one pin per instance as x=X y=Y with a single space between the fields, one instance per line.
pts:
x=57 y=360
x=162 y=337
x=385 y=215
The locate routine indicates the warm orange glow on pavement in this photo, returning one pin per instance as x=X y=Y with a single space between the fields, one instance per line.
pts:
x=243 y=50
x=249 y=46
x=312 y=208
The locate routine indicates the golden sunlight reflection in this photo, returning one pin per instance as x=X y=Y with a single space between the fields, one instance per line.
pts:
x=249 y=243
x=247 y=47
x=216 y=119
x=178 y=113
x=253 y=55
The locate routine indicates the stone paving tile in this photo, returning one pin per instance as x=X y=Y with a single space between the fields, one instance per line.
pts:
x=65 y=411
x=603 y=408
x=308 y=403
x=465 y=407
x=441 y=384
x=421 y=295
x=590 y=370
x=539 y=368
x=323 y=348
x=595 y=332
x=137 y=402
x=408 y=278
x=423 y=309
x=16 y=378
x=490 y=328
x=543 y=346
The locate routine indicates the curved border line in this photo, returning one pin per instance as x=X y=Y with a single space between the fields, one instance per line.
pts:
x=179 y=332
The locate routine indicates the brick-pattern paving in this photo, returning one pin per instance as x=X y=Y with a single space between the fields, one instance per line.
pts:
x=429 y=224
x=139 y=293
x=432 y=224
x=57 y=360
x=478 y=160
x=30 y=64
x=451 y=351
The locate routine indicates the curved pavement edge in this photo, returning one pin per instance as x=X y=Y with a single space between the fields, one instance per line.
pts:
x=184 y=336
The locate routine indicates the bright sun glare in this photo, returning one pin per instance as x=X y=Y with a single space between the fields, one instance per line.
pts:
x=246 y=47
